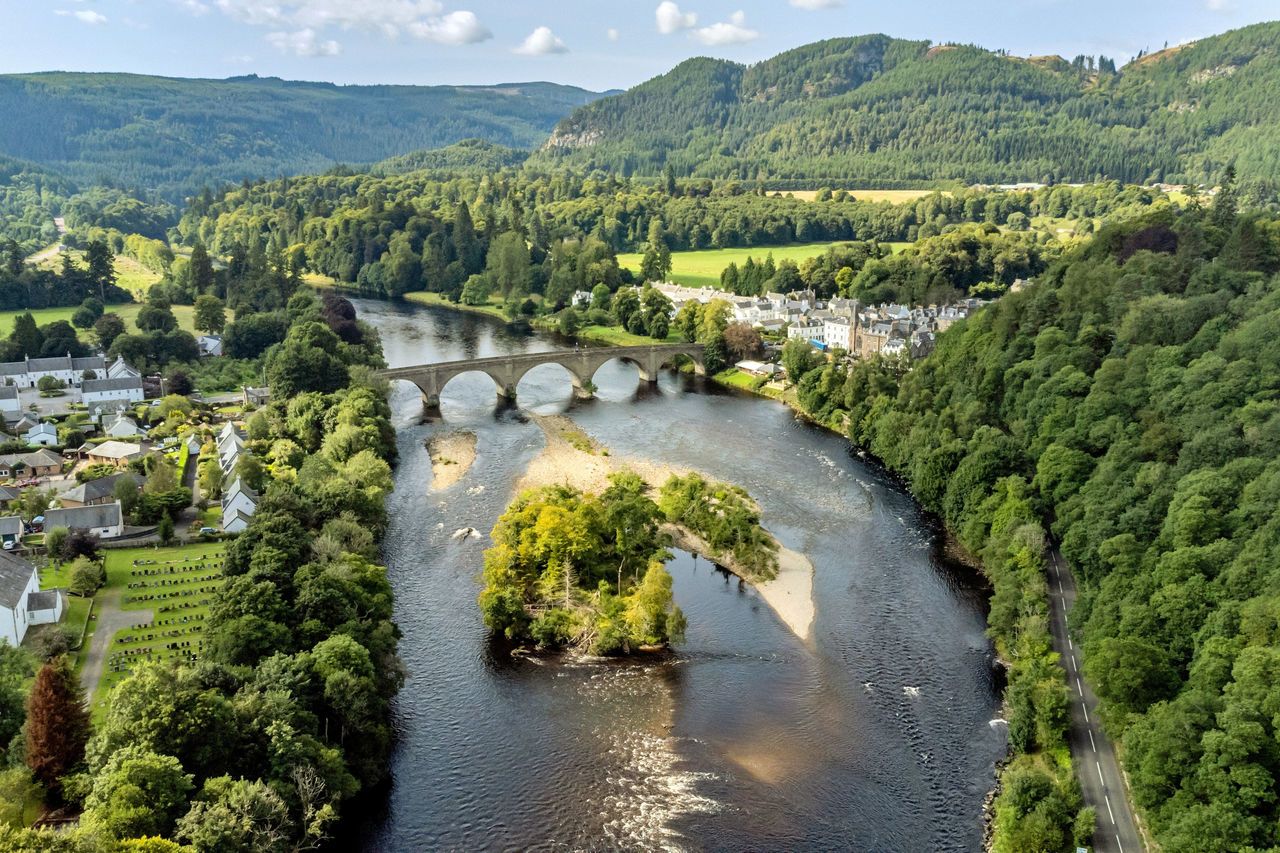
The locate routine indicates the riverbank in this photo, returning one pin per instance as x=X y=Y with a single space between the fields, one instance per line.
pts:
x=572 y=458
x=452 y=456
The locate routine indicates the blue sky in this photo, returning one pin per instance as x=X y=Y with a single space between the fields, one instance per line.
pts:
x=597 y=44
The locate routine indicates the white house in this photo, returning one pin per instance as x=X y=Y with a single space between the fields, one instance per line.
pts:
x=235 y=523
x=106 y=521
x=127 y=388
x=121 y=369
x=238 y=498
x=807 y=330
x=838 y=332
x=22 y=604
x=11 y=528
x=123 y=426
x=44 y=435
x=229 y=450
x=9 y=402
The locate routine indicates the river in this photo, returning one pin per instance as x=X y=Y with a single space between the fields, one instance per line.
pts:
x=876 y=734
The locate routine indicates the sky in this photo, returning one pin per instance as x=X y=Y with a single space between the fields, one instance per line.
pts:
x=596 y=44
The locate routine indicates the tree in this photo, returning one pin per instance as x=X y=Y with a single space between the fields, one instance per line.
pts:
x=626 y=304
x=26 y=336
x=86 y=576
x=154 y=318
x=102 y=270
x=508 y=266
x=742 y=341
x=107 y=328
x=164 y=530
x=179 y=382
x=137 y=793
x=476 y=290
x=202 y=275
x=656 y=264
x=237 y=815
x=798 y=358
x=57 y=724
x=210 y=314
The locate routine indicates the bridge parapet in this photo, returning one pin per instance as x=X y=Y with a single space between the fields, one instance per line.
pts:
x=506 y=371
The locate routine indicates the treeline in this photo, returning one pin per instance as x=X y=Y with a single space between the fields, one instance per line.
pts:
x=1126 y=402
x=23 y=286
x=392 y=235
x=874 y=111
x=284 y=717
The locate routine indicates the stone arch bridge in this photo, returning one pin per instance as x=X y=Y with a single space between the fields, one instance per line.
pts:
x=506 y=371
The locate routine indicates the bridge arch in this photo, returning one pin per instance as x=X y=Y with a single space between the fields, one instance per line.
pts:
x=576 y=379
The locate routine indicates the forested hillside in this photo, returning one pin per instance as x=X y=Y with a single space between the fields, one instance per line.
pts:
x=175 y=136
x=1128 y=402
x=877 y=111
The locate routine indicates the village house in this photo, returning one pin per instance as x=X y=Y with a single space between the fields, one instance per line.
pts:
x=121 y=369
x=8 y=495
x=10 y=404
x=106 y=521
x=239 y=503
x=22 y=604
x=42 y=435
x=96 y=492
x=127 y=388
x=39 y=463
x=255 y=397
x=838 y=332
x=70 y=371
x=11 y=528
x=117 y=453
x=123 y=426
x=210 y=345
x=807 y=330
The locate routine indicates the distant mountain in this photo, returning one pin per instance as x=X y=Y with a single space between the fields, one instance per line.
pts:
x=174 y=136
x=878 y=111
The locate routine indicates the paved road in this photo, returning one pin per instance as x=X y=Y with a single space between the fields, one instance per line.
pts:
x=109 y=619
x=1091 y=750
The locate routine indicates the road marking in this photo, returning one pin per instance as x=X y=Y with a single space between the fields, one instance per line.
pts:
x=1109 y=811
x=1101 y=781
x=1079 y=689
x=1074 y=665
x=1118 y=844
x=1086 y=714
x=1092 y=745
x=1070 y=645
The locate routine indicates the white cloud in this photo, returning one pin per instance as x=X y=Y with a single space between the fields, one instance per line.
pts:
x=84 y=16
x=303 y=42
x=422 y=19
x=612 y=33
x=453 y=28
x=541 y=42
x=815 y=5
x=733 y=31
x=671 y=19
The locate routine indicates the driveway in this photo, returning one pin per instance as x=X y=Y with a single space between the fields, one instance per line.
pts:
x=109 y=619
x=1101 y=782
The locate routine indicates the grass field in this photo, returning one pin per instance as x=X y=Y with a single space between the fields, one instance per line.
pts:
x=130 y=275
x=891 y=196
x=493 y=309
x=702 y=268
x=184 y=313
x=176 y=584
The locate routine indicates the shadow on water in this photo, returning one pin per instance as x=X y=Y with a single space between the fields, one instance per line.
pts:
x=873 y=735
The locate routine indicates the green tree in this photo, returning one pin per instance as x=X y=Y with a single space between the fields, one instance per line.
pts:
x=137 y=793
x=107 y=328
x=210 y=314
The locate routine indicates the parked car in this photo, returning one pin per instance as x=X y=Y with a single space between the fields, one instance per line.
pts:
x=208 y=531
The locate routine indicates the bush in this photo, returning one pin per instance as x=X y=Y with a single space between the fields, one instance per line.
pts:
x=54 y=540
x=599 y=317
x=87 y=577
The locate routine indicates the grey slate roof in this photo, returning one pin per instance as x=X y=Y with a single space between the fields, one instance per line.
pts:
x=84 y=517
x=13 y=368
x=61 y=362
x=92 y=362
x=15 y=574
x=10 y=525
x=96 y=490
x=8 y=392
x=126 y=383
x=7 y=494
x=44 y=600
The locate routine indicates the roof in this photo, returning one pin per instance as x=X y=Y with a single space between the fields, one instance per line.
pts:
x=61 y=362
x=45 y=600
x=84 y=517
x=96 y=490
x=8 y=494
x=122 y=419
x=90 y=362
x=10 y=525
x=43 y=458
x=116 y=450
x=238 y=487
x=124 y=383
x=15 y=574
x=13 y=368
x=8 y=392
x=43 y=428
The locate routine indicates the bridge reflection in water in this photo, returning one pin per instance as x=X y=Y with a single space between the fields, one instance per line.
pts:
x=582 y=364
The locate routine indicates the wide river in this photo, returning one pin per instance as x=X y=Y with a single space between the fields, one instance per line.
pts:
x=877 y=734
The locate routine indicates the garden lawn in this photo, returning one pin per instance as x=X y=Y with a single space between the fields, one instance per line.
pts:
x=702 y=268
